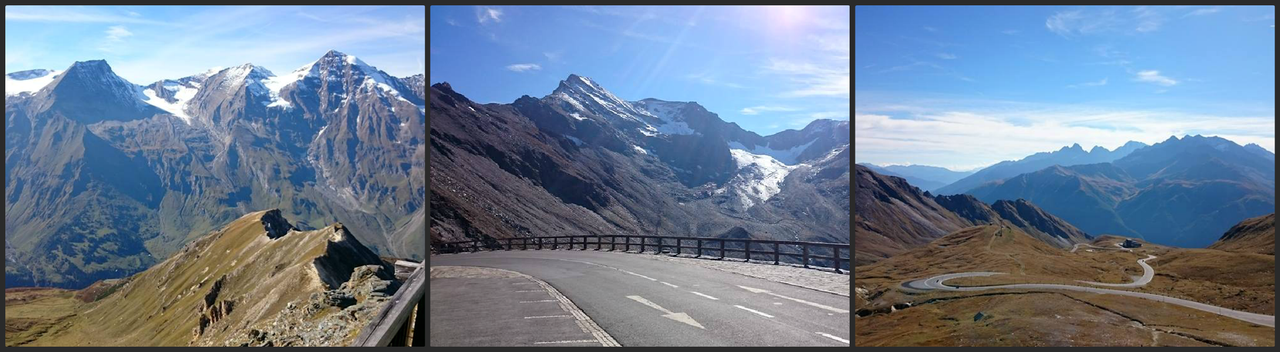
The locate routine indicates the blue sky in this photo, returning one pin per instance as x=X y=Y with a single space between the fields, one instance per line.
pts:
x=964 y=87
x=147 y=43
x=766 y=68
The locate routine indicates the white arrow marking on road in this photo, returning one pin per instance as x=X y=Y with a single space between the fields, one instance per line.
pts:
x=830 y=308
x=680 y=317
x=833 y=337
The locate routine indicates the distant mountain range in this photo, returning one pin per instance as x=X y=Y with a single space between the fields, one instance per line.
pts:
x=581 y=160
x=104 y=178
x=928 y=178
x=1067 y=156
x=1180 y=192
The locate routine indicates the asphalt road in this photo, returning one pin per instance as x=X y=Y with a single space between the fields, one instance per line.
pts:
x=936 y=283
x=1147 y=274
x=644 y=302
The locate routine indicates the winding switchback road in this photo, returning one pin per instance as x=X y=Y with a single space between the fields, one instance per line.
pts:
x=936 y=284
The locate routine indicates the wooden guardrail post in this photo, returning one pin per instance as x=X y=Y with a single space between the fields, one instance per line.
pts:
x=613 y=243
x=806 y=254
x=776 y=253
x=642 y=240
x=699 y=249
x=721 y=249
x=539 y=243
x=678 y=245
x=599 y=242
x=747 y=244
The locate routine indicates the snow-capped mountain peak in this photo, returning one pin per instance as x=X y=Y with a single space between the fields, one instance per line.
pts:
x=578 y=93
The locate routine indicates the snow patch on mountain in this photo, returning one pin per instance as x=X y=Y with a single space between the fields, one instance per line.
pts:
x=28 y=81
x=182 y=96
x=759 y=177
x=786 y=156
x=667 y=112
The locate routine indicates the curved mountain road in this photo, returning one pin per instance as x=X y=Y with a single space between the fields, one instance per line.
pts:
x=638 y=301
x=1147 y=274
x=936 y=284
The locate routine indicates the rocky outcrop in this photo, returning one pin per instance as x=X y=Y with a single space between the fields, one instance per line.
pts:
x=1253 y=235
x=275 y=224
x=211 y=310
x=1039 y=223
x=343 y=253
x=352 y=304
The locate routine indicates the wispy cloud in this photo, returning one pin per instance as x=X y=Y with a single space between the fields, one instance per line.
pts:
x=523 y=67
x=711 y=80
x=1008 y=134
x=485 y=14
x=1103 y=82
x=812 y=79
x=552 y=56
x=74 y=14
x=116 y=33
x=1140 y=19
x=1148 y=19
x=756 y=110
x=946 y=56
x=1202 y=12
x=1153 y=76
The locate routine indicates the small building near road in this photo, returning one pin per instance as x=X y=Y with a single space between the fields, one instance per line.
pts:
x=1129 y=243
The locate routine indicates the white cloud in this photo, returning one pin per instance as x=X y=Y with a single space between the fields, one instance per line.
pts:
x=552 y=56
x=117 y=33
x=946 y=56
x=755 y=110
x=524 y=67
x=485 y=14
x=1153 y=76
x=1103 y=82
x=1140 y=19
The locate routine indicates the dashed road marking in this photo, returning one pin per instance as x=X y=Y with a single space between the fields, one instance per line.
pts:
x=704 y=295
x=566 y=341
x=531 y=291
x=753 y=311
x=669 y=284
x=823 y=306
x=549 y=316
x=833 y=337
x=523 y=283
x=650 y=279
x=545 y=300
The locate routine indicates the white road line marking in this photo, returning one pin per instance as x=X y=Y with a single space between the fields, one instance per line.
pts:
x=531 y=291
x=567 y=341
x=545 y=300
x=833 y=337
x=780 y=303
x=650 y=279
x=703 y=295
x=680 y=317
x=523 y=283
x=669 y=284
x=823 y=306
x=549 y=316
x=753 y=311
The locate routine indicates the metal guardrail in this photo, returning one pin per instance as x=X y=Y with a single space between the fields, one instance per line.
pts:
x=554 y=242
x=392 y=325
